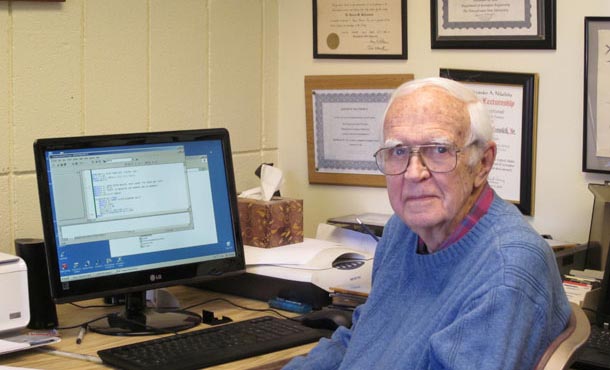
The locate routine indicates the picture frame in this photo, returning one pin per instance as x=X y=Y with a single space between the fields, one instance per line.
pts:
x=492 y=24
x=596 y=96
x=366 y=29
x=344 y=118
x=512 y=101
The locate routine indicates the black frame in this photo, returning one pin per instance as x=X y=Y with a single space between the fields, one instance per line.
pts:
x=404 y=46
x=590 y=161
x=529 y=84
x=546 y=38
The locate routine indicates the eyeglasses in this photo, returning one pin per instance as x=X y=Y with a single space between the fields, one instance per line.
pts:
x=439 y=158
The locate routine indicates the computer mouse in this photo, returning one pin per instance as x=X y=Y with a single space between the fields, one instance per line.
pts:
x=325 y=257
x=349 y=261
x=330 y=318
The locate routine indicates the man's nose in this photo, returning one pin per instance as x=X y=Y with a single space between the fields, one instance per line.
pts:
x=416 y=170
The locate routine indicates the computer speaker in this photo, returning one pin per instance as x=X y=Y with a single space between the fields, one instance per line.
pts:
x=43 y=314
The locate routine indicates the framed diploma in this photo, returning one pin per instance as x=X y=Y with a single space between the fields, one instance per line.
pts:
x=596 y=133
x=511 y=99
x=344 y=117
x=493 y=24
x=365 y=29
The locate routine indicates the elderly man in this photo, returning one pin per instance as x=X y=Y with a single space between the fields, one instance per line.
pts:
x=460 y=279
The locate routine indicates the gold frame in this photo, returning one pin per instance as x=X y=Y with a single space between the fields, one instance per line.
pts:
x=343 y=82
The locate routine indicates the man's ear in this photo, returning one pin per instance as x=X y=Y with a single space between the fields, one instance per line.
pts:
x=486 y=163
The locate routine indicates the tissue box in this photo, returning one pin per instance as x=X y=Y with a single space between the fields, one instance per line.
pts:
x=271 y=223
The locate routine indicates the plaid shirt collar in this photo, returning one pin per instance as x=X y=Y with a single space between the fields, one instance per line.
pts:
x=479 y=209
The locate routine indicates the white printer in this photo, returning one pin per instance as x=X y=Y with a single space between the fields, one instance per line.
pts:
x=322 y=263
x=304 y=272
x=14 y=306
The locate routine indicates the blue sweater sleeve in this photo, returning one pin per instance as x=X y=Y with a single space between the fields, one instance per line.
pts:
x=329 y=353
x=513 y=334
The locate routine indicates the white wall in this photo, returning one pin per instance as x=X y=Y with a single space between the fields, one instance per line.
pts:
x=562 y=200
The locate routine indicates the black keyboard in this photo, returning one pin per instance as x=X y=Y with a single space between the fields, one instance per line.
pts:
x=595 y=353
x=212 y=346
x=599 y=339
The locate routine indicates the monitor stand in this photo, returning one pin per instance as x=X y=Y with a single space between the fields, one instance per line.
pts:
x=138 y=319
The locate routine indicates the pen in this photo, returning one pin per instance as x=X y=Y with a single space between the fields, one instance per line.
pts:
x=81 y=334
x=41 y=340
x=77 y=356
x=367 y=230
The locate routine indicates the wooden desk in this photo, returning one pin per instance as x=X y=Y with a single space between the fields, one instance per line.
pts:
x=70 y=315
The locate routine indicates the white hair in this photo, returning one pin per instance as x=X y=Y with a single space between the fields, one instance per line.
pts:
x=481 y=129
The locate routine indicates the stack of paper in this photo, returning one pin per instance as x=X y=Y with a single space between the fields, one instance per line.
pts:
x=349 y=296
x=581 y=285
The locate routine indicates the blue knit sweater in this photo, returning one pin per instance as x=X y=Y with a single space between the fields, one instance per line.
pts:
x=492 y=300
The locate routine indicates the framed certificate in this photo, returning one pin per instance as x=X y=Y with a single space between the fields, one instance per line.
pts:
x=365 y=29
x=596 y=126
x=493 y=24
x=344 y=117
x=511 y=99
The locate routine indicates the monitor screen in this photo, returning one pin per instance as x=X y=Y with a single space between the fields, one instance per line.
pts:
x=134 y=212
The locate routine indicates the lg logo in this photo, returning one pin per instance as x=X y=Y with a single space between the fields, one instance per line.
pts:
x=154 y=277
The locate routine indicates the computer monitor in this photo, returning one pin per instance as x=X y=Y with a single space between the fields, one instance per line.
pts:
x=123 y=214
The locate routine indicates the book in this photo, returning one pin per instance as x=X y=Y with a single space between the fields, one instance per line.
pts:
x=588 y=273
x=349 y=296
x=356 y=290
x=581 y=287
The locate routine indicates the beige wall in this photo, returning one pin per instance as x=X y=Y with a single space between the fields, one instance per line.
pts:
x=105 y=66
x=87 y=67
x=562 y=201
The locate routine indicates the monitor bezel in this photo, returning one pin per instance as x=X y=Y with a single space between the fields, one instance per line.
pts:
x=140 y=280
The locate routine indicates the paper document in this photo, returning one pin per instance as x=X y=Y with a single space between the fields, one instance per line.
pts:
x=373 y=219
x=559 y=244
x=22 y=342
x=314 y=261
x=329 y=240
x=346 y=237
x=588 y=273
x=293 y=254
x=7 y=346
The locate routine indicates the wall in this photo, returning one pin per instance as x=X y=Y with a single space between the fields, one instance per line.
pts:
x=86 y=67
x=105 y=66
x=562 y=201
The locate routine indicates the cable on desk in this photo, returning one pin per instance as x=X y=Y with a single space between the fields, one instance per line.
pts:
x=86 y=323
x=241 y=307
x=185 y=308
x=94 y=306
x=162 y=331
x=115 y=316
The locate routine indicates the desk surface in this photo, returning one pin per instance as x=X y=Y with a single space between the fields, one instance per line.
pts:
x=70 y=315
